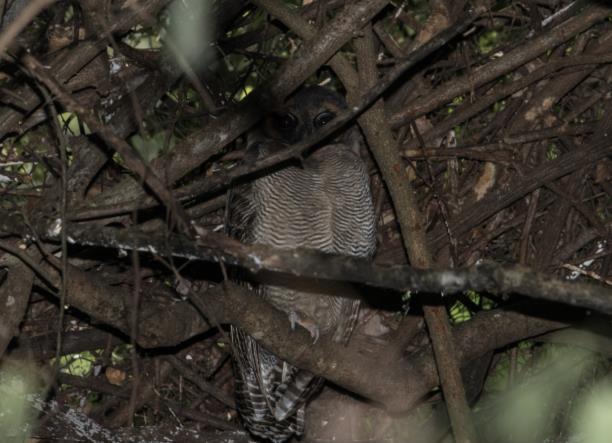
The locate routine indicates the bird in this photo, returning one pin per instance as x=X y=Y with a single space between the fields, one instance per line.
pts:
x=320 y=202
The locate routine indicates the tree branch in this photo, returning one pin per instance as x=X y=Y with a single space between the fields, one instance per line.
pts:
x=482 y=277
x=397 y=383
x=210 y=140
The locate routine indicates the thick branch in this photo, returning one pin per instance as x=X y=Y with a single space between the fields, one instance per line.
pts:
x=396 y=383
x=483 y=277
x=385 y=150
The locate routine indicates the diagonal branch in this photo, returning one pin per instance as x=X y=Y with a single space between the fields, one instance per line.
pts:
x=202 y=145
x=210 y=140
x=481 y=210
x=591 y=15
x=132 y=159
x=397 y=383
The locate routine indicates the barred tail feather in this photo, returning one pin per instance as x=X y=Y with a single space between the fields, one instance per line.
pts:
x=294 y=394
x=258 y=381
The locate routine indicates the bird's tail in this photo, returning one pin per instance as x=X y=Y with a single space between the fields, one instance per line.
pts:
x=294 y=393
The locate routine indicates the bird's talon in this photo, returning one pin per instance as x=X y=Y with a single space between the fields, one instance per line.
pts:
x=314 y=333
x=293 y=319
x=306 y=323
x=312 y=329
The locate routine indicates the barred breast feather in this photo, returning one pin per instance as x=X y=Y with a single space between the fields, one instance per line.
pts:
x=324 y=204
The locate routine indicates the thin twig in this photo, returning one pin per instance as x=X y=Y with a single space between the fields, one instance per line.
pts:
x=131 y=157
x=62 y=146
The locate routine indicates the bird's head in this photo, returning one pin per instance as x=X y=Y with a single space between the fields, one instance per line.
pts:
x=304 y=113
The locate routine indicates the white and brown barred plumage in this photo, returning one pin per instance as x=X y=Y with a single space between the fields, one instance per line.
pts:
x=323 y=203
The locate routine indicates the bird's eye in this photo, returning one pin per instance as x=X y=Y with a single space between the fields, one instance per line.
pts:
x=323 y=118
x=286 y=121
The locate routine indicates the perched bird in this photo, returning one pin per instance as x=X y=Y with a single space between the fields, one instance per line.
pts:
x=324 y=203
